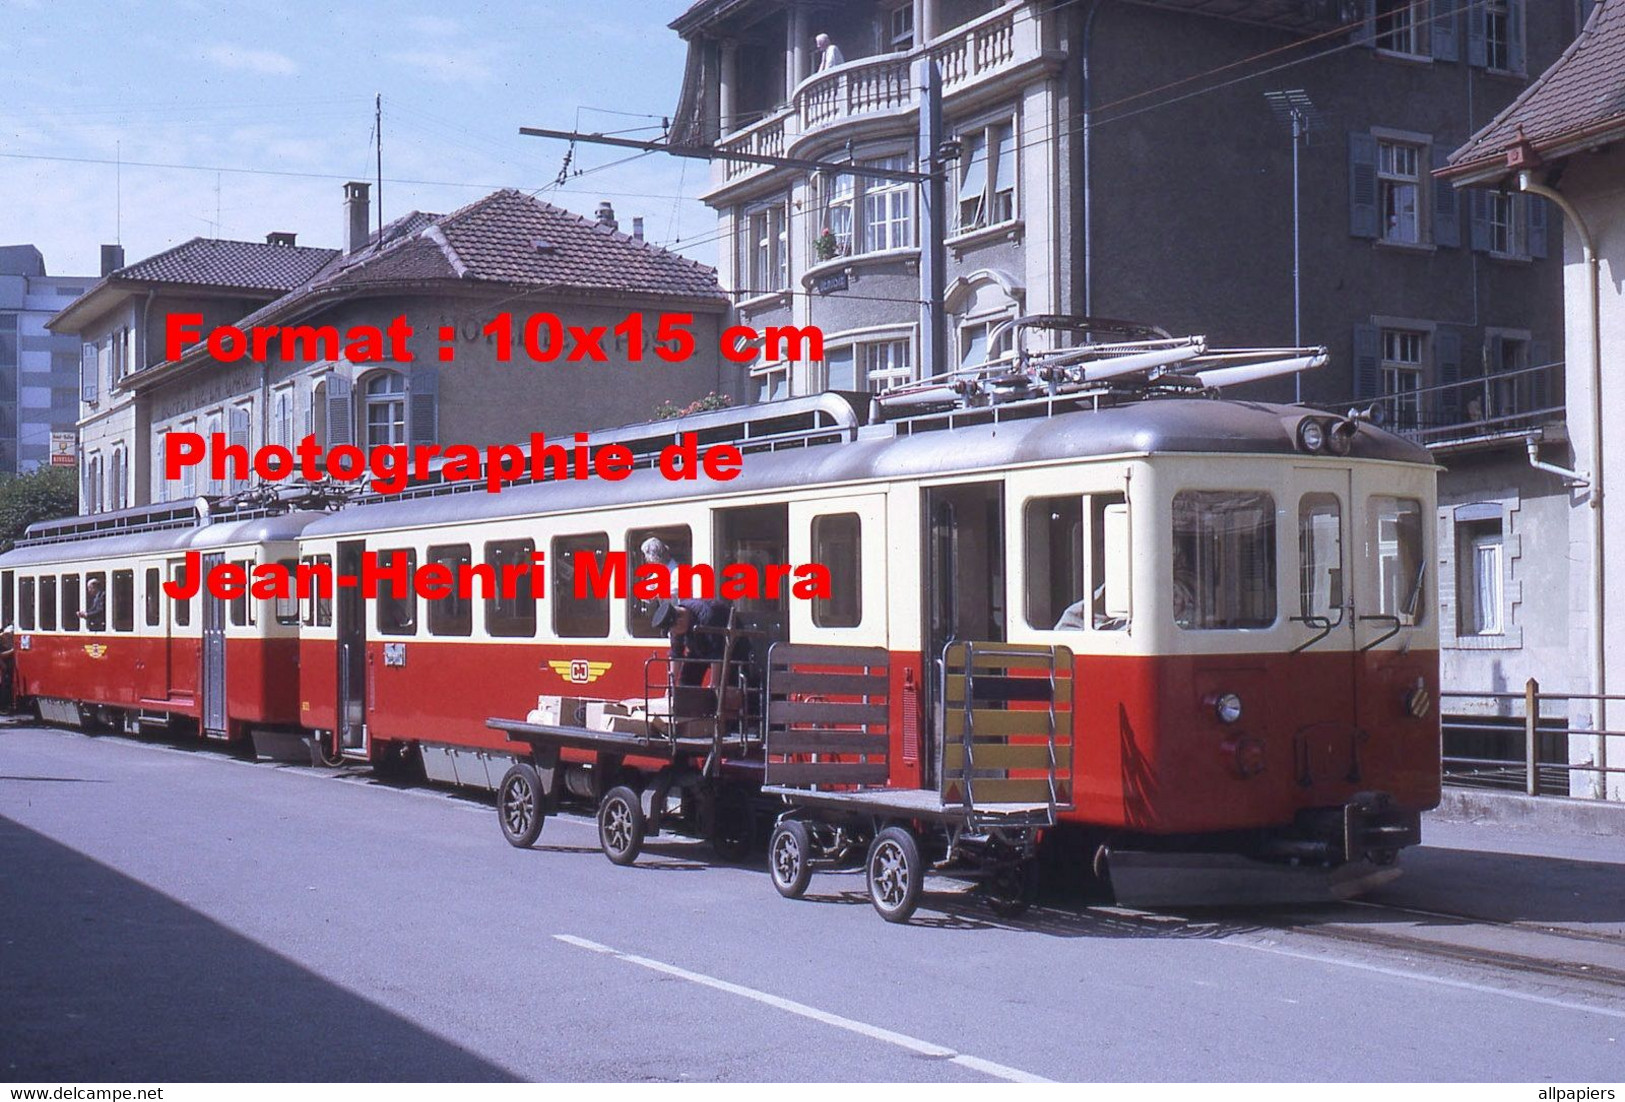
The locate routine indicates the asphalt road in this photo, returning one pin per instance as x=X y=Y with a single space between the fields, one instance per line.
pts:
x=169 y=914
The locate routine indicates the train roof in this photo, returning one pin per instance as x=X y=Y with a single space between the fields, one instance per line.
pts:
x=169 y=540
x=839 y=446
x=952 y=444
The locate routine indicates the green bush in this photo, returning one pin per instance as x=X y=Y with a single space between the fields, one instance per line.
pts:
x=44 y=494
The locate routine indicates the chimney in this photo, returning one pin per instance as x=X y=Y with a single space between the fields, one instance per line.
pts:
x=284 y=240
x=606 y=215
x=112 y=258
x=637 y=229
x=357 y=214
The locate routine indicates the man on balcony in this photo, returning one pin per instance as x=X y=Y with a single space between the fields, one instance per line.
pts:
x=829 y=54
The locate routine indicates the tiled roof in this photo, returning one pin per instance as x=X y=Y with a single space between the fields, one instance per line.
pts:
x=209 y=262
x=512 y=238
x=1582 y=95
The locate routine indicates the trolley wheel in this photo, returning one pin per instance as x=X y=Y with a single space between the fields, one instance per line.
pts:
x=1013 y=889
x=519 y=805
x=733 y=832
x=896 y=874
x=789 y=858
x=620 y=825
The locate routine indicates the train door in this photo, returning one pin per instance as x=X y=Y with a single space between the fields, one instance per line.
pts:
x=159 y=632
x=350 y=625
x=212 y=678
x=1326 y=629
x=963 y=574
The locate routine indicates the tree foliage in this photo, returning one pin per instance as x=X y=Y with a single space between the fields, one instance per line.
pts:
x=44 y=494
x=668 y=409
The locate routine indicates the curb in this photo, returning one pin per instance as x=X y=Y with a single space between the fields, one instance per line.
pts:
x=1551 y=813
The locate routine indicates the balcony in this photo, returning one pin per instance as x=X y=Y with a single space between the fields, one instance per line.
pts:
x=986 y=49
x=1474 y=414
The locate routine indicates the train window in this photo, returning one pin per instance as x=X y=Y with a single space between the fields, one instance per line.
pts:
x=1396 y=531
x=25 y=604
x=122 y=604
x=95 y=598
x=152 y=594
x=837 y=544
x=69 y=590
x=181 y=611
x=511 y=617
x=587 y=616
x=1055 y=563
x=286 y=607
x=47 y=603
x=242 y=608
x=318 y=601
x=1224 y=559
x=678 y=542
x=397 y=609
x=1110 y=558
x=1320 y=557
x=8 y=606
x=453 y=614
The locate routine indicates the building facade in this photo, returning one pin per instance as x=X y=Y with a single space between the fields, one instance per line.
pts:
x=451 y=278
x=39 y=369
x=1566 y=139
x=1140 y=159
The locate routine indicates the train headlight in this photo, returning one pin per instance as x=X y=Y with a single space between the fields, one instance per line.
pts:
x=1311 y=435
x=1341 y=440
x=1227 y=707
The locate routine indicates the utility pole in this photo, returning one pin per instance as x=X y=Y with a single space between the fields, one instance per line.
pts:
x=378 y=129
x=933 y=222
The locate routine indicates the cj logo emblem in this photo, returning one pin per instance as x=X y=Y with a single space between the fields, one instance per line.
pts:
x=95 y=650
x=579 y=671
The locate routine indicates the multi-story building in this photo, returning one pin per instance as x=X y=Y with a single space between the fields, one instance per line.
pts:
x=39 y=370
x=1138 y=159
x=507 y=254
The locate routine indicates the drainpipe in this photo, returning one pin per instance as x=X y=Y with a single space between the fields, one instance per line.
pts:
x=1599 y=651
x=1088 y=182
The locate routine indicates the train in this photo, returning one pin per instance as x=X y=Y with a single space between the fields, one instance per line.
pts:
x=1236 y=595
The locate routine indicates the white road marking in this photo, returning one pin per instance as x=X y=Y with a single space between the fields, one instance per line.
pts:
x=1440 y=981
x=874 y=1032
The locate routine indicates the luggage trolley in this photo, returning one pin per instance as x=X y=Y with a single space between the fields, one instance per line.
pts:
x=699 y=744
x=1004 y=768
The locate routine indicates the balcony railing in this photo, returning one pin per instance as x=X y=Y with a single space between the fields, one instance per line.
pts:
x=1483 y=409
x=871 y=87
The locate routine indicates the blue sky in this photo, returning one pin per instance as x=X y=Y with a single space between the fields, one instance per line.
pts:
x=287 y=90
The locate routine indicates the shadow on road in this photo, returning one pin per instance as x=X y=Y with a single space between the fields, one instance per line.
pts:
x=104 y=979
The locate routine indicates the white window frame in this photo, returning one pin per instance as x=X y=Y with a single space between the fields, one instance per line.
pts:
x=282 y=406
x=767 y=376
x=900 y=38
x=1481 y=578
x=384 y=400
x=1394 y=176
x=886 y=363
x=887 y=208
x=990 y=154
x=766 y=252
x=1498 y=36
x=1404 y=29
x=1401 y=374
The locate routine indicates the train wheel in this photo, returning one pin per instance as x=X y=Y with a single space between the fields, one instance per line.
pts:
x=1013 y=889
x=620 y=825
x=896 y=874
x=789 y=858
x=519 y=806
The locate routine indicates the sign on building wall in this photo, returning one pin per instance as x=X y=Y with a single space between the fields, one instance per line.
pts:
x=63 y=449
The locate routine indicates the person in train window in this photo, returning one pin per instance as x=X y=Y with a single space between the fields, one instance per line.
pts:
x=655 y=550
x=94 y=614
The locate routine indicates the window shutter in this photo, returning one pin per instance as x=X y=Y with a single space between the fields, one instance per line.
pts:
x=87 y=373
x=1478 y=219
x=1446 y=206
x=974 y=183
x=1515 y=57
x=423 y=397
x=1362 y=185
x=1477 y=49
x=1447 y=364
x=1004 y=174
x=1365 y=31
x=1535 y=212
x=340 y=411
x=1444 y=31
x=310 y=414
x=1367 y=358
x=1540 y=382
x=237 y=436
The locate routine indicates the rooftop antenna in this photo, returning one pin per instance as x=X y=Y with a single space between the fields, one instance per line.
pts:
x=378 y=127
x=1294 y=108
